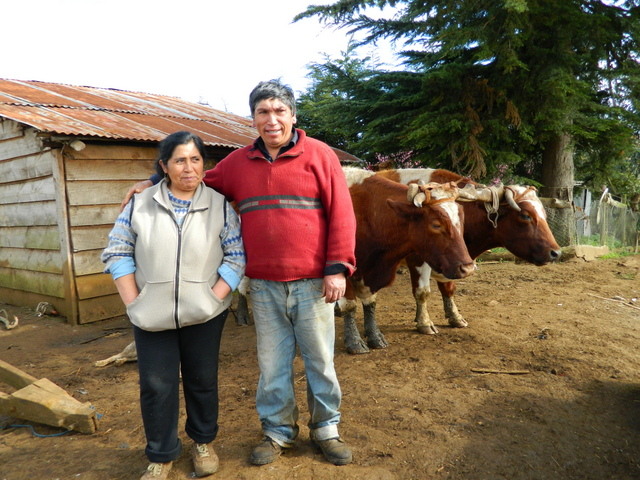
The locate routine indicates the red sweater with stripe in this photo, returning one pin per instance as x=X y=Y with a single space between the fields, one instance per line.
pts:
x=296 y=213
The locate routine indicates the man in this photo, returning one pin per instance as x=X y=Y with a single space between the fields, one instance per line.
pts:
x=298 y=229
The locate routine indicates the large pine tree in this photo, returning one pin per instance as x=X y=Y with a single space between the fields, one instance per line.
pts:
x=491 y=86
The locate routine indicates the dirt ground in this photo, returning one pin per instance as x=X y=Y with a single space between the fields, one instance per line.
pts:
x=563 y=402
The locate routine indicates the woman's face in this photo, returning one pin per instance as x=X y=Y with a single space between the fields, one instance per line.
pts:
x=185 y=170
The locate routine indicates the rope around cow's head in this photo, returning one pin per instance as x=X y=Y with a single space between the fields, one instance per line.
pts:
x=493 y=196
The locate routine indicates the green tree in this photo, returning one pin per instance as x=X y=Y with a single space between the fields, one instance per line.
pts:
x=329 y=110
x=489 y=86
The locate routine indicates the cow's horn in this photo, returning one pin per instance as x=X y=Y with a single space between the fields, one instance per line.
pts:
x=419 y=198
x=413 y=190
x=469 y=193
x=508 y=195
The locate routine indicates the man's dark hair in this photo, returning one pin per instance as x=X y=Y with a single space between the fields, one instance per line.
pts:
x=272 y=89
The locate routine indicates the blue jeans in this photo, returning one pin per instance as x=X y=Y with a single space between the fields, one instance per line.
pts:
x=286 y=315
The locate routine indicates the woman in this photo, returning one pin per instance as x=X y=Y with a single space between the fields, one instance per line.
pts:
x=176 y=254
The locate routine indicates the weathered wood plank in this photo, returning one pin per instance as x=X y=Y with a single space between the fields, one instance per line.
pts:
x=62 y=214
x=98 y=192
x=36 y=190
x=48 y=261
x=10 y=129
x=112 y=152
x=14 y=376
x=32 y=166
x=28 y=214
x=36 y=282
x=41 y=238
x=28 y=144
x=87 y=262
x=92 y=215
x=45 y=402
x=98 y=285
x=90 y=237
x=101 y=308
x=126 y=169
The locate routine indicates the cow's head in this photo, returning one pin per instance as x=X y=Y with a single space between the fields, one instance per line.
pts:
x=435 y=228
x=519 y=221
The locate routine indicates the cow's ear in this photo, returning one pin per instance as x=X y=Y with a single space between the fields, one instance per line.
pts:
x=405 y=210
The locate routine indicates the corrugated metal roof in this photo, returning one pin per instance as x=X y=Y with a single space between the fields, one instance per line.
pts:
x=121 y=115
x=117 y=114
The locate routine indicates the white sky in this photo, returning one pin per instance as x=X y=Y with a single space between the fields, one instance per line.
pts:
x=213 y=51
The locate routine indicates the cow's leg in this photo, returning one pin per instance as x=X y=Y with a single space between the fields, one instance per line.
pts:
x=420 y=284
x=352 y=340
x=447 y=290
x=375 y=338
x=242 y=310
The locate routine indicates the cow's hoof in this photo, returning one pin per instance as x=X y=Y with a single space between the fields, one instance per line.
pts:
x=242 y=321
x=427 y=329
x=357 y=348
x=458 y=322
x=377 y=341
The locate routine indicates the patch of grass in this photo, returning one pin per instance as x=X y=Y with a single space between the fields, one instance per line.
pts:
x=619 y=253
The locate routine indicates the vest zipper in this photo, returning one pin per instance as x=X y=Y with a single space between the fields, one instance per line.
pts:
x=177 y=279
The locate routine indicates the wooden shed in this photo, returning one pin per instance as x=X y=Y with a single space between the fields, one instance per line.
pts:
x=68 y=154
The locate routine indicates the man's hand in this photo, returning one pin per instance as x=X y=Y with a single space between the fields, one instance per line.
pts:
x=137 y=188
x=334 y=287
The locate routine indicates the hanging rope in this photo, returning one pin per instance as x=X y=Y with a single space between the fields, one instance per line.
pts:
x=493 y=206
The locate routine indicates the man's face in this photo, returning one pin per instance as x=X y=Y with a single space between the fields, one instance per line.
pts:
x=274 y=122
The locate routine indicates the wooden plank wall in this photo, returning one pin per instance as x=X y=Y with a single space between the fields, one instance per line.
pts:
x=31 y=262
x=97 y=178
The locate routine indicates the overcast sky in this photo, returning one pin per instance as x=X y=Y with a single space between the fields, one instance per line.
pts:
x=212 y=51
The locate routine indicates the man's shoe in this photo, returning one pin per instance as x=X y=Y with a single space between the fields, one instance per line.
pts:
x=335 y=451
x=205 y=460
x=157 y=471
x=267 y=451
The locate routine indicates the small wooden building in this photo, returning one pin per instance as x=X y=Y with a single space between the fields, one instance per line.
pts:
x=68 y=154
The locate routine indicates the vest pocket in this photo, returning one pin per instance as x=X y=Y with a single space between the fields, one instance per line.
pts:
x=153 y=308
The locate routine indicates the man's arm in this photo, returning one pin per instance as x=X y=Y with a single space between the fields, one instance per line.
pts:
x=137 y=188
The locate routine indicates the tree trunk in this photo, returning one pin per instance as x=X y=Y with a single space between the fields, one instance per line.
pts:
x=557 y=182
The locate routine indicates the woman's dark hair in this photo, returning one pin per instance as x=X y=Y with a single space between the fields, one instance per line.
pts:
x=272 y=89
x=169 y=144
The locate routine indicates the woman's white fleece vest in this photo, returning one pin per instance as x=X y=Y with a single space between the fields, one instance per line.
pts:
x=176 y=266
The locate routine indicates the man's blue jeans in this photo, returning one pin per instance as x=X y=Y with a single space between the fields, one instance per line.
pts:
x=286 y=315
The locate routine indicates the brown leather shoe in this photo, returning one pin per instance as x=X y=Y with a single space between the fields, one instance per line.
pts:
x=267 y=451
x=157 y=471
x=205 y=460
x=335 y=450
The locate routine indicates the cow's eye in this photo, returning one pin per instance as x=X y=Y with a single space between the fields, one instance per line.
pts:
x=525 y=217
x=436 y=225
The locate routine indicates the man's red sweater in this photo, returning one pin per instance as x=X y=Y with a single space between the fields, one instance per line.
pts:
x=296 y=213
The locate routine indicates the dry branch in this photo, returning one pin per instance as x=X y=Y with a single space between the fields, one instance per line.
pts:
x=504 y=372
x=623 y=302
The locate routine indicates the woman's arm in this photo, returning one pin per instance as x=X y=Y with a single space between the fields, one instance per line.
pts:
x=233 y=263
x=127 y=288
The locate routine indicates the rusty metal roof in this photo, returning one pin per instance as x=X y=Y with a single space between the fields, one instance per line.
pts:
x=117 y=114
x=122 y=115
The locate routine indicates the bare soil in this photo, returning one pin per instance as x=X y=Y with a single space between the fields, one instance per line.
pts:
x=562 y=401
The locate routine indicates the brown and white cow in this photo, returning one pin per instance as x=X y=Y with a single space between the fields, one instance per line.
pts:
x=394 y=222
x=514 y=218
